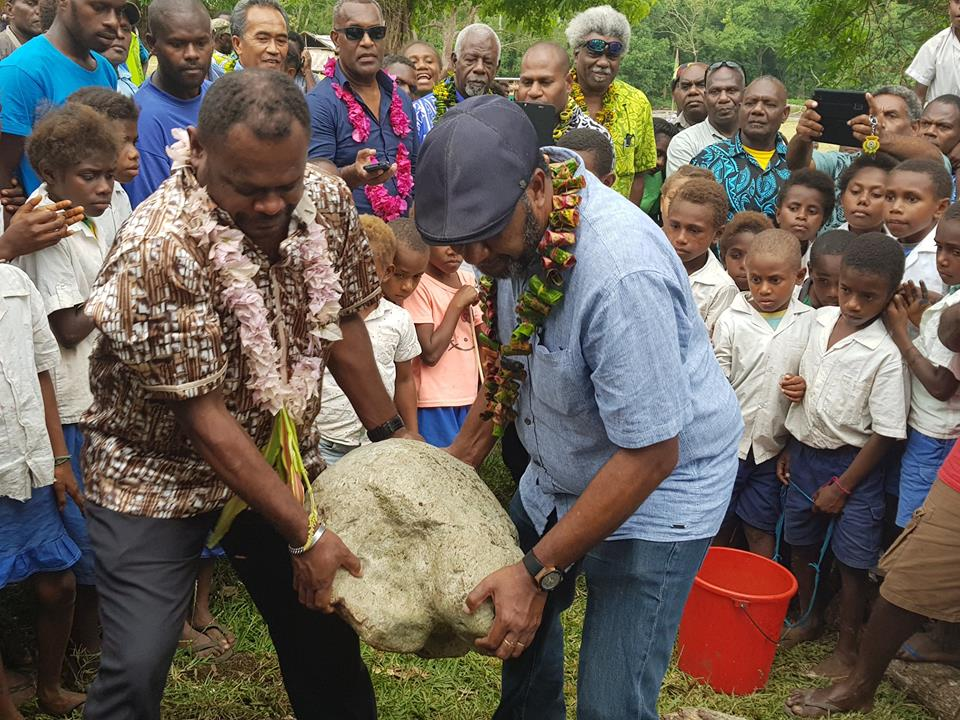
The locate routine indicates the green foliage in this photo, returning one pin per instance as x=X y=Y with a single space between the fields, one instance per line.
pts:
x=863 y=43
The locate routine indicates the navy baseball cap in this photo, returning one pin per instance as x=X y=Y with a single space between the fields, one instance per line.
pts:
x=472 y=169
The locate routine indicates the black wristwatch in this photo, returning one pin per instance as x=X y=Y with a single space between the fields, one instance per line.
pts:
x=385 y=431
x=546 y=578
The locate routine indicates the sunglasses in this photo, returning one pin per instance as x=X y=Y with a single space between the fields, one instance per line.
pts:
x=598 y=47
x=355 y=33
x=725 y=64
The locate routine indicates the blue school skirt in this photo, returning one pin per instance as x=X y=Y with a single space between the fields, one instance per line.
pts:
x=33 y=538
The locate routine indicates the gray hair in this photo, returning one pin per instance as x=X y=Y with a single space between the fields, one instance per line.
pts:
x=602 y=20
x=238 y=18
x=469 y=30
x=338 y=7
x=914 y=106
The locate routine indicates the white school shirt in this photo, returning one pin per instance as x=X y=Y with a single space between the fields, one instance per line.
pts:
x=114 y=216
x=689 y=143
x=713 y=290
x=394 y=340
x=64 y=274
x=937 y=65
x=29 y=348
x=921 y=264
x=857 y=388
x=935 y=418
x=755 y=357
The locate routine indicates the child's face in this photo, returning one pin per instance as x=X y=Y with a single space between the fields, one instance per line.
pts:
x=690 y=229
x=801 y=213
x=663 y=142
x=408 y=268
x=863 y=200
x=825 y=277
x=734 y=260
x=445 y=260
x=948 y=252
x=772 y=281
x=128 y=162
x=863 y=296
x=911 y=207
x=89 y=184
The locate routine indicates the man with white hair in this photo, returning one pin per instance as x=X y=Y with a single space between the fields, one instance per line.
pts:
x=475 y=60
x=599 y=38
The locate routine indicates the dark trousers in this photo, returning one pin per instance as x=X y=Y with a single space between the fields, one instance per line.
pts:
x=146 y=570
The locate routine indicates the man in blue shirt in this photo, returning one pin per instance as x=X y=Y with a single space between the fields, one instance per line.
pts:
x=334 y=145
x=45 y=71
x=475 y=60
x=752 y=165
x=170 y=98
x=631 y=427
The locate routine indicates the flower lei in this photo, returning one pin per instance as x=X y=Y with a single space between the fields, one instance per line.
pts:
x=543 y=293
x=385 y=206
x=281 y=393
x=565 y=116
x=608 y=111
x=445 y=93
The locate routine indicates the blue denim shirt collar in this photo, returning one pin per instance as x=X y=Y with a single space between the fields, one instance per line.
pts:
x=383 y=80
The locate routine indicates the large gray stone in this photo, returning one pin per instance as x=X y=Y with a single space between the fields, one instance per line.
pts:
x=426 y=530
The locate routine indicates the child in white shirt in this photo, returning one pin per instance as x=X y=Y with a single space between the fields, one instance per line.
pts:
x=395 y=345
x=694 y=223
x=758 y=341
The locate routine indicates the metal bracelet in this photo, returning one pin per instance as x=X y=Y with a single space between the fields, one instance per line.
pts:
x=311 y=541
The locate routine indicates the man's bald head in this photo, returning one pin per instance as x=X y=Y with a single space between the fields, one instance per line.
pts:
x=545 y=75
x=166 y=15
x=763 y=111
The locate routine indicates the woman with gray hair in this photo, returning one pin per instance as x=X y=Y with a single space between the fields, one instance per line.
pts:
x=599 y=38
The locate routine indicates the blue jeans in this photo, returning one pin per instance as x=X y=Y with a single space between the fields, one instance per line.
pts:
x=636 y=591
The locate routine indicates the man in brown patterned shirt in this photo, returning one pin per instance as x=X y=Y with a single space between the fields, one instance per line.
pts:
x=176 y=426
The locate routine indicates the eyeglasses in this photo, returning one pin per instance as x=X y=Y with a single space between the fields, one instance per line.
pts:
x=598 y=47
x=355 y=33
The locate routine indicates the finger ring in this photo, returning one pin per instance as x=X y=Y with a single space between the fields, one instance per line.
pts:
x=520 y=644
x=508 y=643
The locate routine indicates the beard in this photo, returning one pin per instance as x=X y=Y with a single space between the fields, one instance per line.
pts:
x=528 y=262
x=474 y=88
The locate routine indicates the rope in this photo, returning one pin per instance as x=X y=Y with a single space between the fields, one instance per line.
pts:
x=815 y=565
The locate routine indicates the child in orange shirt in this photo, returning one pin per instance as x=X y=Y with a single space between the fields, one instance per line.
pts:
x=445 y=313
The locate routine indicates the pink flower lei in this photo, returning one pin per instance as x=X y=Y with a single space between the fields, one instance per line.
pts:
x=272 y=388
x=385 y=206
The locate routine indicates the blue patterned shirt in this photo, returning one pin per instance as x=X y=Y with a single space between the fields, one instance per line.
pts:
x=425 y=110
x=748 y=186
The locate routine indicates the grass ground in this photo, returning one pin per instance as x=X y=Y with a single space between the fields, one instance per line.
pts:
x=248 y=687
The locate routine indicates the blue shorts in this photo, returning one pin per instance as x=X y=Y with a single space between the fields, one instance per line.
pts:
x=440 y=425
x=73 y=519
x=757 y=494
x=921 y=463
x=858 y=530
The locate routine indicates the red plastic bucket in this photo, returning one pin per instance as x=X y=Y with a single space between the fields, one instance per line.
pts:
x=732 y=621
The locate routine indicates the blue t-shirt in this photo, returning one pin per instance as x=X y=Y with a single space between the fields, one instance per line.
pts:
x=35 y=78
x=160 y=113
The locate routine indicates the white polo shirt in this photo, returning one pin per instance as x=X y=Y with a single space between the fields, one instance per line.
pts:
x=921 y=264
x=687 y=144
x=755 y=357
x=855 y=389
x=713 y=290
x=64 y=274
x=937 y=65
x=935 y=418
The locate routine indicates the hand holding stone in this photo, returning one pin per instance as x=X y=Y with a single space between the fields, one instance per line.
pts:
x=518 y=606
x=313 y=572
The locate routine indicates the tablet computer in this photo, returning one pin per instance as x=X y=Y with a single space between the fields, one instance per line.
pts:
x=836 y=108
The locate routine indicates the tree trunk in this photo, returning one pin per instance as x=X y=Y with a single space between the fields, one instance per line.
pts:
x=936 y=687
x=397 y=15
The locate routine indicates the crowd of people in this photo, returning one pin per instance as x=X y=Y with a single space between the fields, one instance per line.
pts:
x=684 y=332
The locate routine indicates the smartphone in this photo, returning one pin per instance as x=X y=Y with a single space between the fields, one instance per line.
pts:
x=836 y=108
x=376 y=168
x=544 y=119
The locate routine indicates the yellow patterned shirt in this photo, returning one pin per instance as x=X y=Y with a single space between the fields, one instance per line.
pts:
x=632 y=131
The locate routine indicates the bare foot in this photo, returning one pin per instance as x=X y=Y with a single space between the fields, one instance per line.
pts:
x=60 y=702
x=826 y=702
x=812 y=629
x=8 y=711
x=924 y=647
x=835 y=667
